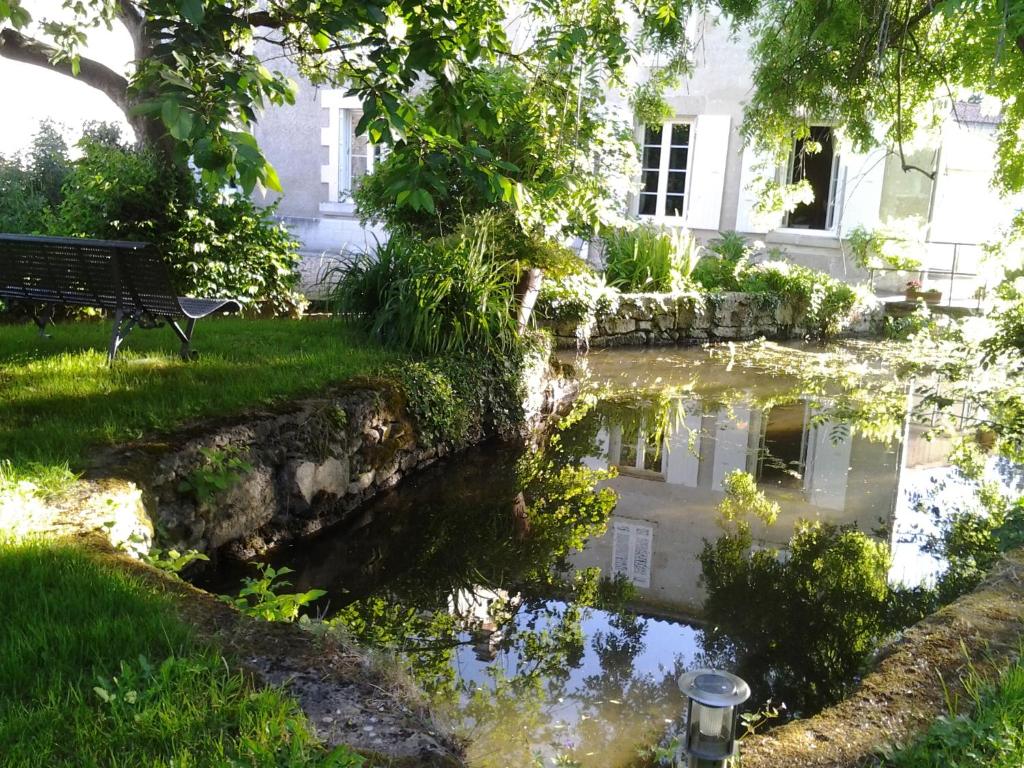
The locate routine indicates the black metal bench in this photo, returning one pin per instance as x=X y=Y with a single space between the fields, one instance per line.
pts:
x=127 y=278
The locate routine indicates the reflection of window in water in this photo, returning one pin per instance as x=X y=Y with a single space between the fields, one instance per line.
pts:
x=631 y=551
x=638 y=451
x=782 y=447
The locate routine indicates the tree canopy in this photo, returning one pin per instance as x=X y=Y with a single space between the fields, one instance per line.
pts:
x=881 y=68
x=885 y=68
x=197 y=84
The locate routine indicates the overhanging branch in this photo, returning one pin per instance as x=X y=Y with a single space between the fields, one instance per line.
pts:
x=18 y=47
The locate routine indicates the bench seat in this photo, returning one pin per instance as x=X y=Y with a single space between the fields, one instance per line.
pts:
x=128 y=278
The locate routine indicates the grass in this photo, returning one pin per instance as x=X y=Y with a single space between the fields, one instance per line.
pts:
x=991 y=736
x=96 y=669
x=59 y=399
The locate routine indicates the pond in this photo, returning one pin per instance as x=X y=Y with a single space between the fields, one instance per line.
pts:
x=549 y=620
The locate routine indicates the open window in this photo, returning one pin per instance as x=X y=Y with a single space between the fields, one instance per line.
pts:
x=821 y=171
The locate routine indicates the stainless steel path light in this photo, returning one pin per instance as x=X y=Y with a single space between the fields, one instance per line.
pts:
x=713 y=698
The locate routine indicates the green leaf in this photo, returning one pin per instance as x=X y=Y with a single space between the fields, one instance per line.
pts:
x=321 y=41
x=169 y=113
x=270 y=178
x=181 y=129
x=193 y=11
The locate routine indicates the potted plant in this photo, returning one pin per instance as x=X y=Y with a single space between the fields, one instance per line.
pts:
x=913 y=292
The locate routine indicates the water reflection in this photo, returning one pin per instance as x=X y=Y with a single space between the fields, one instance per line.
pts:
x=554 y=628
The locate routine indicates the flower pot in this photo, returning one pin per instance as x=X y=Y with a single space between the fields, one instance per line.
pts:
x=930 y=297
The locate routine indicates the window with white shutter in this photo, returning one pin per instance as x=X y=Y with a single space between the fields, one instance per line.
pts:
x=665 y=168
x=632 y=545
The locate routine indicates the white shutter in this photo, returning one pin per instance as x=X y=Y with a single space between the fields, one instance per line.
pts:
x=631 y=552
x=622 y=534
x=860 y=189
x=711 y=151
x=754 y=166
x=642 y=539
x=828 y=465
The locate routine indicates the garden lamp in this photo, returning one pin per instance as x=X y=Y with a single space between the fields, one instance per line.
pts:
x=712 y=702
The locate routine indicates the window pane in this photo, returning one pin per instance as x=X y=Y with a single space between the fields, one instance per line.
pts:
x=649 y=181
x=652 y=135
x=652 y=455
x=648 y=204
x=680 y=134
x=673 y=205
x=677 y=158
x=652 y=157
x=676 y=182
x=358 y=170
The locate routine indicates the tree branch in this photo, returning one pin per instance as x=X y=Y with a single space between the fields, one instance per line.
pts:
x=18 y=47
x=1020 y=43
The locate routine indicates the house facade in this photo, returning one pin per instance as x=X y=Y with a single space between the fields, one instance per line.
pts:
x=696 y=173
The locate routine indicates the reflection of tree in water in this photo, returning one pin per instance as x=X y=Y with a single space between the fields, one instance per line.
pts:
x=800 y=630
x=616 y=700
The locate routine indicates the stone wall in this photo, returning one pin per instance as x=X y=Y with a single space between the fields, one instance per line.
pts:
x=642 y=319
x=914 y=679
x=253 y=481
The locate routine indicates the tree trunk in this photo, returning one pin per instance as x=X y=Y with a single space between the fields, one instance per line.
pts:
x=526 y=296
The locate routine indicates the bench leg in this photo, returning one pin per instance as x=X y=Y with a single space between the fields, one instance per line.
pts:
x=185 y=336
x=43 y=318
x=123 y=323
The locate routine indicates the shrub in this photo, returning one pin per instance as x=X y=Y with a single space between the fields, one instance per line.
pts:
x=819 y=302
x=648 y=258
x=803 y=625
x=217 y=245
x=578 y=297
x=726 y=258
x=447 y=395
x=731 y=246
x=30 y=185
x=433 y=296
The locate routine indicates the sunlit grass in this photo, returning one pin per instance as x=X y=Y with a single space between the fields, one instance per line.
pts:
x=96 y=669
x=990 y=735
x=59 y=398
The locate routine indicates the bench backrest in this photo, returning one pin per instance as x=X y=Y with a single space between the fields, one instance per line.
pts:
x=108 y=274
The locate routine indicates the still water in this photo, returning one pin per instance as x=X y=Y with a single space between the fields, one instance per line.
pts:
x=548 y=639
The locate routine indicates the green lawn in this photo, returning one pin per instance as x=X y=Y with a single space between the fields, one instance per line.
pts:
x=58 y=396
x=991 y=736
x=97 y=669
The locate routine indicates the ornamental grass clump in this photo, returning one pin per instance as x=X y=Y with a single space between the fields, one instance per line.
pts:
x=649 y=259
x=442 y=295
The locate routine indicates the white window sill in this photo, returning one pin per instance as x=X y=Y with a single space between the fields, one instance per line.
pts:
x=665 y=221
x=338 y=209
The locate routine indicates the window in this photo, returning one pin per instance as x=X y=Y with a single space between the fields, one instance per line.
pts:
x=356 y=156
x=638 y=453
x=631 y=551
x=820 y=169
x=665 y=164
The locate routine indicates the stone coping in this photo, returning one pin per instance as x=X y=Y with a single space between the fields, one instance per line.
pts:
x=907 y=690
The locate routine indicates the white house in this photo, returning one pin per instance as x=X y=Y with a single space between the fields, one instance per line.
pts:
x=696 y=172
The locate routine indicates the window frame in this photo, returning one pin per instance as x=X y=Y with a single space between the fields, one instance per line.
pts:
x=833 y=206
x=661 y=198
x=345 y=127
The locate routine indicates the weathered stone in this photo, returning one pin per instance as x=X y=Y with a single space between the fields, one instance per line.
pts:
x=362 y=482
x=664 y=322
x=615 y=326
